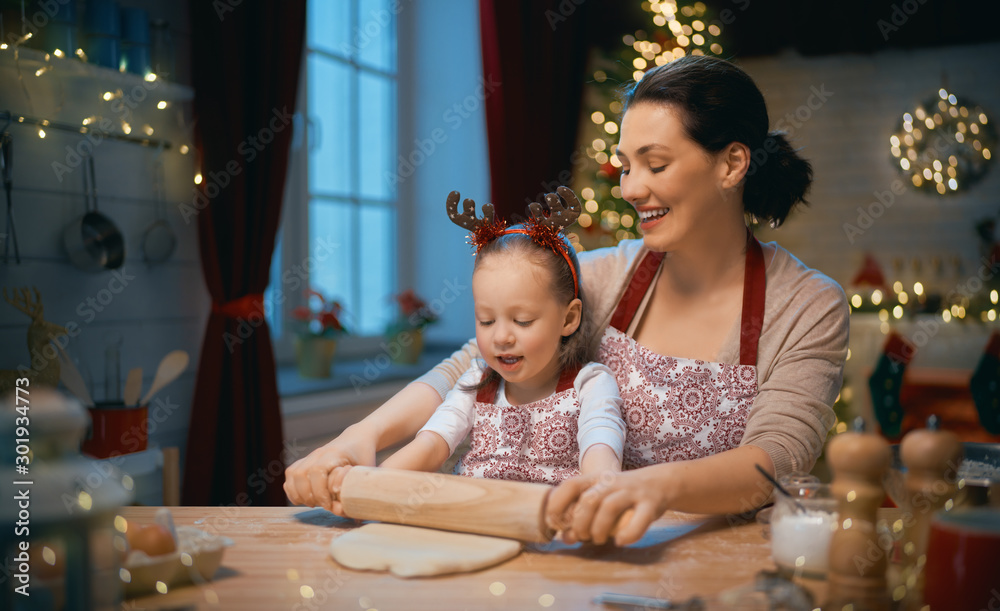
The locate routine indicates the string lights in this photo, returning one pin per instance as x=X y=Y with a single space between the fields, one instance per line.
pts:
x=945 y=145
x=113 y=124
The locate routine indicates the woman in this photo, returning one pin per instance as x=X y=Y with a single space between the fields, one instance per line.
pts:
x=729 y=353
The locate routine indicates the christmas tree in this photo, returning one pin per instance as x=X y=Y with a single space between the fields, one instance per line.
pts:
x=674 y=29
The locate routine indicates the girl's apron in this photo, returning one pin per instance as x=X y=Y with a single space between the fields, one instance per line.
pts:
x=534 y=442
x=676 y=408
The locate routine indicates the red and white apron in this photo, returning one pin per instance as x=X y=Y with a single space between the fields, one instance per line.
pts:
x=534 y=442
x=676 y=408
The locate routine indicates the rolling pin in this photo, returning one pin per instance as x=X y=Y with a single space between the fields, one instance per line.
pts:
x=498 y=508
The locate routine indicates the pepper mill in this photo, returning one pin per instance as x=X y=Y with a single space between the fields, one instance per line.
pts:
x=856 y=575
x=931 y=458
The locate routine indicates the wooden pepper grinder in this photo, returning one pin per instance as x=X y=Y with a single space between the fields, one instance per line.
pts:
x=856 y=574
x=931 y=458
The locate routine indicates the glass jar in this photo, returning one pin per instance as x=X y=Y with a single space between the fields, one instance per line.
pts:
x=801 y=526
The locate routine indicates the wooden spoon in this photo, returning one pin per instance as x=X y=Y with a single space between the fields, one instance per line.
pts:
x=172 y=365
x=133 y=386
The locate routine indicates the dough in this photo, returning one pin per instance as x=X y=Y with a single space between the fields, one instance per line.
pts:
x=408 y=551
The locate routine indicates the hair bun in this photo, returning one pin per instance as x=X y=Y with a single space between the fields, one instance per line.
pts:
x=777 y=180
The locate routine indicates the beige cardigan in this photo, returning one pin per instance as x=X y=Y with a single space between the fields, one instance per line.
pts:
x=800 y=357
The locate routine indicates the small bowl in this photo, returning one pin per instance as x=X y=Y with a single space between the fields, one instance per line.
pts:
x=198 y=557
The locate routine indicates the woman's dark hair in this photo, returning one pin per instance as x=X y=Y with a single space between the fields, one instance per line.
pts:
x=721 y=104
x=576 y=349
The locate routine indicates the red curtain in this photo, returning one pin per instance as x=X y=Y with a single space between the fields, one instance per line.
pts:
x=245 y=72
x=536 y=51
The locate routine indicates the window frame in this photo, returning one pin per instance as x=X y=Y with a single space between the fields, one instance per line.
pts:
x=293 y=233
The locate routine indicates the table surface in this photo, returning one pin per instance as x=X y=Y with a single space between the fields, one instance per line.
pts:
x=280 y=560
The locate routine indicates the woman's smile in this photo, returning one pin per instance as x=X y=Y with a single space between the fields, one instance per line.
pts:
x=649 y=218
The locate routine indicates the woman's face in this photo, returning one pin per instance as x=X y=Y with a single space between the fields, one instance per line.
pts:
x=674 y=184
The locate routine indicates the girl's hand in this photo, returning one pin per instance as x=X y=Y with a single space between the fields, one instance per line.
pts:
x=588 y=507
x=315 y=480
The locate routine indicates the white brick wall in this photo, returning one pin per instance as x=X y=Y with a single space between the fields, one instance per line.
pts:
x=847 y=141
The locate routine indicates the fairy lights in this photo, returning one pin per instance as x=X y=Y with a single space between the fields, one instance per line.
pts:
x=945 y=145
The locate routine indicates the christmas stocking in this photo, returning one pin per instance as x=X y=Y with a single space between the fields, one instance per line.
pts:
x=886 y=381
x=986 y=386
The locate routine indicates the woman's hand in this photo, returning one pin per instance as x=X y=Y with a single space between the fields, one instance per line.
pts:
x=315 y=480
x=588 y=507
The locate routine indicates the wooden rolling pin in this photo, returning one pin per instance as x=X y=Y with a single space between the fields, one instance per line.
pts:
x=498 y=508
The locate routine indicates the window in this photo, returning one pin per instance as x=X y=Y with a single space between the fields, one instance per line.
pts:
x=338 y=233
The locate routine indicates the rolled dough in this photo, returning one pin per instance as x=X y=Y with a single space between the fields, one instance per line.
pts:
x=409 y=551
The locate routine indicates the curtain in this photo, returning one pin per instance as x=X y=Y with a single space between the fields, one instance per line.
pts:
x=535 y=53
x=245 y=72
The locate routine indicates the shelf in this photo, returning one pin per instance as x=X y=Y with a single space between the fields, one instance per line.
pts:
x=31 y=60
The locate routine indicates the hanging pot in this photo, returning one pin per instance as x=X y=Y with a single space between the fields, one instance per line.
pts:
x=93 y=242
x=159 y=241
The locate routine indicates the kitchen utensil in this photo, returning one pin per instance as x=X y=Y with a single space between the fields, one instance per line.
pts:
x=932 y=458
x=172 y=365
x=133 y=386
x=159 y=241
x=116 y=429
x=498 y=508
x=859 y=461
x=6 y=169
x=93 y=242
x=779 y=487
x=629 y=602
x=113 y=367
x=70 y=376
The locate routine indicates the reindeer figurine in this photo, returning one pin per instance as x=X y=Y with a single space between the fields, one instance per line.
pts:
x=43 y=361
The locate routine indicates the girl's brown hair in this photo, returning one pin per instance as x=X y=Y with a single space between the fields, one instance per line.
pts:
x=576 y=349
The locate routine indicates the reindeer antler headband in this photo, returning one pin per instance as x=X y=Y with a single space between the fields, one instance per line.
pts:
x=544 y=227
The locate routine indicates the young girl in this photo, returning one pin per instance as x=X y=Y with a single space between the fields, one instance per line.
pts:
x=538 y=409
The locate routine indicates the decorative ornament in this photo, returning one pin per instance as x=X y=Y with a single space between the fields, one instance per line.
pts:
x=945 y=145
x=886 y=382
x=44 y=369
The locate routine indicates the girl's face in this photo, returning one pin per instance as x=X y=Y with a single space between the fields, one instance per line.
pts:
x=519 y=322
x=674 y=184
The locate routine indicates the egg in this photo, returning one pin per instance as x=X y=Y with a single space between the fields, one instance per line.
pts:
x=153 y=539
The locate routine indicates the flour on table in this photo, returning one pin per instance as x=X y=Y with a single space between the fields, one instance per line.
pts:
x=408 y=551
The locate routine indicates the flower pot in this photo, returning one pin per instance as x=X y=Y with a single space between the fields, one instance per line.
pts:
x=406 y=346
x=314 y=355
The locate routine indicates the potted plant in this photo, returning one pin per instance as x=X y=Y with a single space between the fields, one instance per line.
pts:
x=318 y=327
x=405 y=334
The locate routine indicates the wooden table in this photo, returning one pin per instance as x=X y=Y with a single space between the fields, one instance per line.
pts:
x=280 y=561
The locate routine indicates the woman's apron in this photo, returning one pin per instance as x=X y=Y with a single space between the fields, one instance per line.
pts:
x=677 y=408
x=534 y=442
